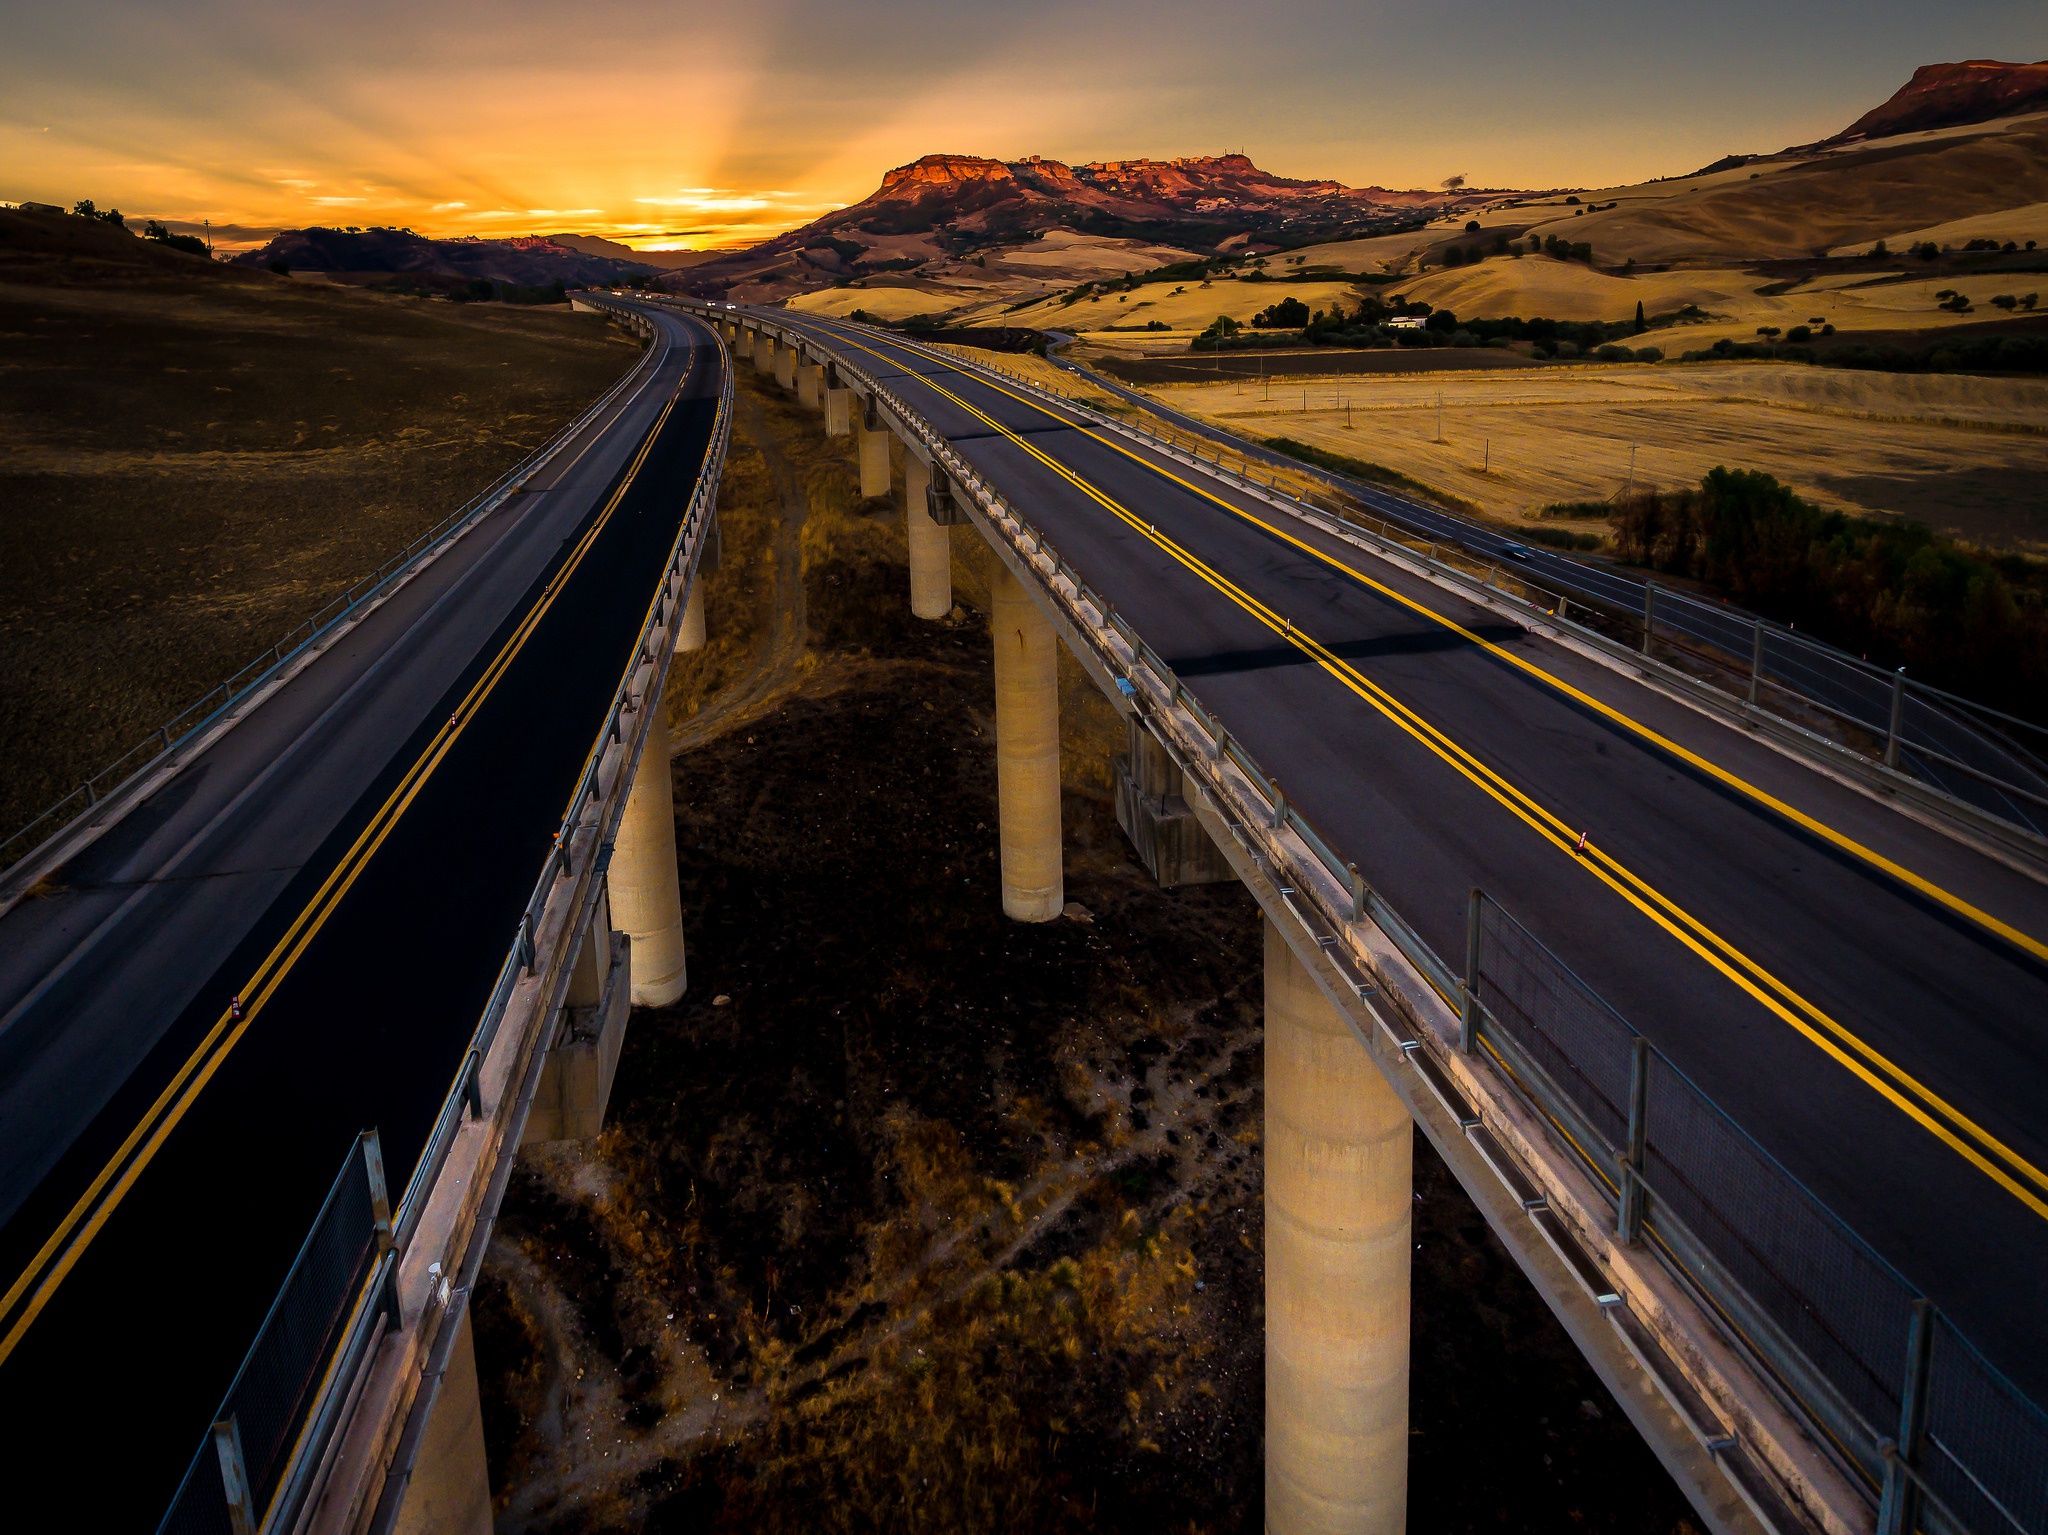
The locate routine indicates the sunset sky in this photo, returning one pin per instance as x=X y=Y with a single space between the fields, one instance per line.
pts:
x=688 y=124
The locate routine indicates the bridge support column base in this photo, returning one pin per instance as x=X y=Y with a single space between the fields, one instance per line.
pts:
x=1154 y=815
x=1027 y=752
x=646 y=893
x=450 y=1489
x=931 y=545
x=1339 y=1184
x=838 y=412
x=874 y=461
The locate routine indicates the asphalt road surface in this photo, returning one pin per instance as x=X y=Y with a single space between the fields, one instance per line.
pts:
x=1919 y=974
x=108 y=984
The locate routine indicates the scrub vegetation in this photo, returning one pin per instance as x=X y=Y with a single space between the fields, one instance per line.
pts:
x=193 y=458
x=911 y=1218
x=1895 y=593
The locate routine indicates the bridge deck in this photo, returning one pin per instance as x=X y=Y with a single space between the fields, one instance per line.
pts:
x=492 y=670
x=1953 y=1005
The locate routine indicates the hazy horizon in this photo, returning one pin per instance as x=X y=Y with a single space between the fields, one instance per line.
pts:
x=695 y=127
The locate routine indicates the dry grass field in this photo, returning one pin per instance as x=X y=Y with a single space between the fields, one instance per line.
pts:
x=1734 y=302
x=193 y=459
x=1967 y=455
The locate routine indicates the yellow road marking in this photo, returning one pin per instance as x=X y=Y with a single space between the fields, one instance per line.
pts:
x=1714 y=770
x=1780 y=999
x=191 y=1078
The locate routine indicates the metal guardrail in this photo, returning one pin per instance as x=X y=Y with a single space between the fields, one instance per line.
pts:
x=163 y=744
x=1935 y=1435
x=259 y=1462
x=1993 y=762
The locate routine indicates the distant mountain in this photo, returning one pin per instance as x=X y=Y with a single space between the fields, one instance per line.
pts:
x=528 y=261
x=1950 y=95
x=952 y=206
x=1208 y=199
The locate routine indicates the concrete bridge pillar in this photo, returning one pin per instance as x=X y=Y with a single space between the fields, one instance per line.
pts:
x=785 y=365
x=646 y=893
x=449 y=1492
x=931 y=544
x=1027 y=752
x=874 y=456
x=810 y=379
x=1338 y=1194
x=764 y=352
x=838 y=411
x=690 y=632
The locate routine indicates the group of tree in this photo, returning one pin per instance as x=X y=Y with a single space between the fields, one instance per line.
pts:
x=155 y=230
x=1895 y=592
x=1364 y=325
x=1967 y=354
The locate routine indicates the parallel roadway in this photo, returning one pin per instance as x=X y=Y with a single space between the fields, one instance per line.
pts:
x=349 y=863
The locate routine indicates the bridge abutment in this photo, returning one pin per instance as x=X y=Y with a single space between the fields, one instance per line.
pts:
x=1339 y=1189
x=646 y=890
x=931 y=545
x=1027 y=752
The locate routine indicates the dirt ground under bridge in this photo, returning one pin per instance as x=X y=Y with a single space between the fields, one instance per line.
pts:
x=911 y=1218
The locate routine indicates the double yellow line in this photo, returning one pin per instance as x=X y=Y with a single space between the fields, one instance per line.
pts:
x=1977 y=1145
x=68 y=1242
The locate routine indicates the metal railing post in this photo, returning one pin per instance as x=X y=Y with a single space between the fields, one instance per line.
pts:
x=1756 y=662
x=1628 y=1214
x=234 y=1475
x=1357 y=892
x=380 y=1191
x=1468 y=988
x=1899 y=1509
x=1649 y=613
x=1898 y=720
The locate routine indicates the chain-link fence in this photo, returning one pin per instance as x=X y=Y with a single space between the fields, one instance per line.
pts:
x=1940 y=1437
x=238 y=1468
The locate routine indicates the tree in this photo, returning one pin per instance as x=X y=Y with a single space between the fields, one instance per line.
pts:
x=1472 y=226
x=84 y=208
x=1453 y=183
x=1768 y=332
x=1641 y=323
x=2005 y=300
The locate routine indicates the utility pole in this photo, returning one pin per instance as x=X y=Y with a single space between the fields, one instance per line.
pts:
x=1439 y=415
x=1631 y=470
x=1486 y=463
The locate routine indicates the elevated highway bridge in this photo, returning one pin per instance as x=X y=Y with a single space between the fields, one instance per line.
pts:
x=1744 y=1064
